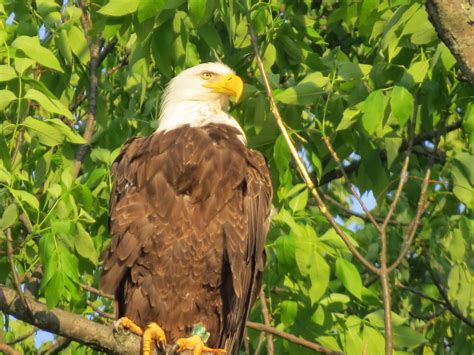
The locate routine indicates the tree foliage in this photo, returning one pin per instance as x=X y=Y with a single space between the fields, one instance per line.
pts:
x=370 y=76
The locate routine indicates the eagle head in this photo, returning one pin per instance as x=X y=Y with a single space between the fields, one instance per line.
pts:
x=200 y=95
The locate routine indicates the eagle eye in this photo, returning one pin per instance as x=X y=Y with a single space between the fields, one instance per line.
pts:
x=207 y=75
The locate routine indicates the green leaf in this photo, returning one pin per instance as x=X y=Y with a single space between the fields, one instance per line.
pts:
x=305 y=92
x=7 y=73
x=54 y=290
x=69 y=134
x=418 y=70
x=119 y=7
x=64 y=46
x=6 y=97
x=392 y=145
x=150 y=8
x=25 y=196
x=9 y=217
x=405 y=337
x=78 y=44
x=299 y=202
x=402 y=103
x=201 y=10
x=288 y=310
x=377 y=319
x=349 y=117
x=285 y=250
x=373 y=111
x=32 y=48
x=319 y=275
x=349 y=276
x=50 y=104
x=84 y=245
x=47 y=134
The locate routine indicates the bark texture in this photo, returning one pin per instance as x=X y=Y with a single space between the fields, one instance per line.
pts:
x=454 y=22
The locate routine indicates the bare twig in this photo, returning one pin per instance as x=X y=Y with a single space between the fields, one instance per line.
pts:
x=267 y=320
x=418 y=140
x=100 y=312
x=55 y=348
x=23 y=337
x=96 y=291
x=261 y=340
x=290 y=337
x=299 y=162
x=418 y=293
x=427 y=317
x=15 y=278
x=335 y=156
x=348 y=212
x=8 y=350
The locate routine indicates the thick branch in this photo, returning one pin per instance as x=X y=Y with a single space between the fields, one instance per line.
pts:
x=68 y=324
x=453 y=21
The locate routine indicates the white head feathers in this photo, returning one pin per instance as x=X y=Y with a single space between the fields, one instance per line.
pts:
x=199 y=96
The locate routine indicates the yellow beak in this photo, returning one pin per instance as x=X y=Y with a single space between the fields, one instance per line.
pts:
x=231 y=85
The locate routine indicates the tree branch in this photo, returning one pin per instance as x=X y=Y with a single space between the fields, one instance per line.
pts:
x=417 y=140
x=453 y=22
x=290 y=337
x=15 y=278
x=92 y=91
x=267 y=320
x=335 y=156
x=444 y=295
x=69 y=325
x=8 y=350
x=294 y=152
x=23 y=337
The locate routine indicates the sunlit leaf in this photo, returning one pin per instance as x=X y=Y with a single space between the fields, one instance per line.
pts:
x=33 y=49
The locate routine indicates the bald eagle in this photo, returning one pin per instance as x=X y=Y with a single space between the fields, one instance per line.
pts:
x=189 y=215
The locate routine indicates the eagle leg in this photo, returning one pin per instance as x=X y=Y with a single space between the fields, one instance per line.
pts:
x=128 y=324
x=152 y=334
x=196 y=344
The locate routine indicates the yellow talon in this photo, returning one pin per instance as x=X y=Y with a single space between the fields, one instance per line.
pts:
x=153 y=334
x=128 y=324
x=195 y=344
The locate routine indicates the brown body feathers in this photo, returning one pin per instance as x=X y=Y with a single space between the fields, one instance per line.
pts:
x=189 y=214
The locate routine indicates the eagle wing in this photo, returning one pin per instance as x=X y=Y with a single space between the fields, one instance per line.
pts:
x=245 y=247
